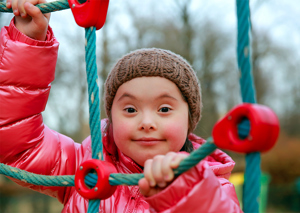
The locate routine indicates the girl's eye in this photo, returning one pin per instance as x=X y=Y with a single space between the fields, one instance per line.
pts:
x=164 y=109
x=130 y=110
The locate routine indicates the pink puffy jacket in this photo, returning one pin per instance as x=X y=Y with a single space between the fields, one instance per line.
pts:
x=26 y=70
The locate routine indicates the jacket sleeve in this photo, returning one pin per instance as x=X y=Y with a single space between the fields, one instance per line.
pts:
x=27 y=68
x=197 y=190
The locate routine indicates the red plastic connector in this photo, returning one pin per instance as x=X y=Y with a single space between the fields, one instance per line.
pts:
x=264 y=129
x=102 y=189
x=92 y=13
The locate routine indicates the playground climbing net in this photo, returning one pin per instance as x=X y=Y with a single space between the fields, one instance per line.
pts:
x=232 y=121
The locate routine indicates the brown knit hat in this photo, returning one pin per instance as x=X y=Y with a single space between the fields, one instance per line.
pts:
x=156 y=62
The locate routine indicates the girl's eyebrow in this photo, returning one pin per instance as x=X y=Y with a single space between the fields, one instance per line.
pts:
x=127 y=95
x=166 y=95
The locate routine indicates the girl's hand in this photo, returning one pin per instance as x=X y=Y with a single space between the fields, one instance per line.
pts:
x=29 y=19
x=158 y=172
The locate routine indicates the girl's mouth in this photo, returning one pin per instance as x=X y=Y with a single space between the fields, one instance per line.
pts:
x=148 y=141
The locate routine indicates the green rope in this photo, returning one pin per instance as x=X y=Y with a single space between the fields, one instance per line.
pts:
x=94 y=102
x=252 y=172
x=93 y=92
x=44 y=7
x=40 y=180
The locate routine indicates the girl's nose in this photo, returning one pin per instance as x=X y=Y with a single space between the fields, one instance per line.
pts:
x=147 y=124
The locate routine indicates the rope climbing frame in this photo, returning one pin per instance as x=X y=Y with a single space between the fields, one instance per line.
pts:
x=252 y=172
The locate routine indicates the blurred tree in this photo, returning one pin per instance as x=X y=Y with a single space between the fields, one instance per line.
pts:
x=68 y=97
x=105 y=59
x=70 y=84
x=275 y=66
x=203 y=45
x=264 y=52
x=291 y=117
x=271 y=59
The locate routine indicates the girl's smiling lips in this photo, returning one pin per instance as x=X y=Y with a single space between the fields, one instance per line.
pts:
x=148 y=140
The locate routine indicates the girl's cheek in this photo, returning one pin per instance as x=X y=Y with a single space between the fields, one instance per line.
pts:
x=122 y=129
x=176 y=133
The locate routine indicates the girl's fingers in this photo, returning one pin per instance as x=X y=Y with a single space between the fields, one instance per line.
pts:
x=40 y=1
x=47 y=15
x=167 y=171
x=157 y=171
x=32 y=11
x=35 y=12
x=148 y=172
x=14 y=5
x=177 y=159
x=18 y=6
x=21 y=8
x=144 y=187
x=8 y=3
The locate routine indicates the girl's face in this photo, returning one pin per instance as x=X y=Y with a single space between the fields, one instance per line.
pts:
x=149 y=117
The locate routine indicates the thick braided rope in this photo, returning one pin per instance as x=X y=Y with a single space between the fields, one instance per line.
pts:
x=45 y=7
x=94 y=102
x=44 y=180
x=93 y=92
x=252 y=172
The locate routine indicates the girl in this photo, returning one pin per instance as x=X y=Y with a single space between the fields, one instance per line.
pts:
x=153 y=103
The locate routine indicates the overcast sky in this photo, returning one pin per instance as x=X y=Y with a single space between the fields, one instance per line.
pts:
x=280 y=17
